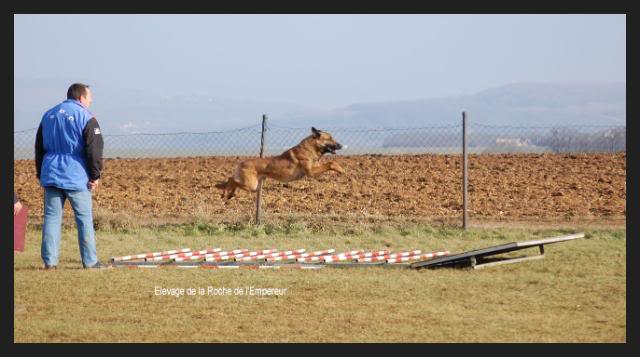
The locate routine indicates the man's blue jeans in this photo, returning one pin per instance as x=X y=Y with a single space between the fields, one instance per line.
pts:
x=54 y=199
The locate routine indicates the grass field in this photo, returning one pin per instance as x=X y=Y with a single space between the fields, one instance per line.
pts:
x=576 y=294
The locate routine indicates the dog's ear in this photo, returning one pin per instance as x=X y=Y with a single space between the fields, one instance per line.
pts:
x=316 y=132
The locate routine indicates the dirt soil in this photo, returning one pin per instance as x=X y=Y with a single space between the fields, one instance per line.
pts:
x=514 y=186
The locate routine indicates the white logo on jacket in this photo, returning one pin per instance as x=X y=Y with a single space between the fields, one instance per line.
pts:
x=96 y=131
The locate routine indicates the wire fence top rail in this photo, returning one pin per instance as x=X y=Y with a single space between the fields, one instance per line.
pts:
x=437 y=139
x=383 y=129
x=544 y=126
x=347 y=129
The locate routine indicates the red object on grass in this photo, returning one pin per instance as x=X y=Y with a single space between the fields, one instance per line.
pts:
x=19 y=229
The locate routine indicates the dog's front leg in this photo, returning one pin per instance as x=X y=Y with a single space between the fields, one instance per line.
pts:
x=335 y=167
x=314 y=171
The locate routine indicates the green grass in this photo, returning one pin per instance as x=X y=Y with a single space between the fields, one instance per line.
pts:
x=576 y=294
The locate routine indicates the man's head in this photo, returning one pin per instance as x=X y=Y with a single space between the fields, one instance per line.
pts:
x=81 y=93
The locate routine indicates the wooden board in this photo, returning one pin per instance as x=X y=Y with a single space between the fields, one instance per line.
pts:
x=466 y=258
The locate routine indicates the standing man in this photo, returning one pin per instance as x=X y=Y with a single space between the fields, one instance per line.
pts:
x=68 y=164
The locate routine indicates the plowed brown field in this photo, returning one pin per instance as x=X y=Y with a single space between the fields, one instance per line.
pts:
x=510 y=186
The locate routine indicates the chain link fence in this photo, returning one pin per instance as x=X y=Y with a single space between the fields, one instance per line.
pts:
x=482 y=139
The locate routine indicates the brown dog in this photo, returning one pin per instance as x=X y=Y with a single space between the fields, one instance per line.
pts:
x=293 y=164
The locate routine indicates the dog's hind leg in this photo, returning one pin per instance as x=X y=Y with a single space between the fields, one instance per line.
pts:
x=242 y=179
x=223 y=187
x=246 y=179
x=232 y=187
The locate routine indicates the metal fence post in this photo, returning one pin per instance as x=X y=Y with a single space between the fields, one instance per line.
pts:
x=464 y=170
x=259 y=195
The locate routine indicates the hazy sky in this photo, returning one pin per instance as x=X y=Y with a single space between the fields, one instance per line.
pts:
x=321 y=61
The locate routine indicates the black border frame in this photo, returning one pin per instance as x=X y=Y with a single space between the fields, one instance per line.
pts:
x=328 y=7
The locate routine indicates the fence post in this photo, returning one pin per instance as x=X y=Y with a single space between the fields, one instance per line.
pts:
x=259 y=191
x=464 y=170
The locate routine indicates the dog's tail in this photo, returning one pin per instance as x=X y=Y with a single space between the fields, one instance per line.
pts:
x=222 y=185
x=228 y=188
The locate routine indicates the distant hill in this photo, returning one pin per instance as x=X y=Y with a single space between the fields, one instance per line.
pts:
x=522 y=104
x=123 y=111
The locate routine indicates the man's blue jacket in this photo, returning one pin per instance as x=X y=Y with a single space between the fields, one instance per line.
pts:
x=68 y=147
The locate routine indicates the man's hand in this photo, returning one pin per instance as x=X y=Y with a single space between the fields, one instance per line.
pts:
x=16 y=208
x=92 y=185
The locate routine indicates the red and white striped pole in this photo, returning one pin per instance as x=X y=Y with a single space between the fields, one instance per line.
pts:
x=240 y=255
x=317 y=253
x=149 y=255
x=283 y=257
x=381 y=258
x=222 y=267
x=417 y=257
x=271 y=255
x=320 y=258
x=353 y=256
x=190 y=254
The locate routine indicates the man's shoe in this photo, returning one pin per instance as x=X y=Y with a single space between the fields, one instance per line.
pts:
x=50 y=267
x=99 y=265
